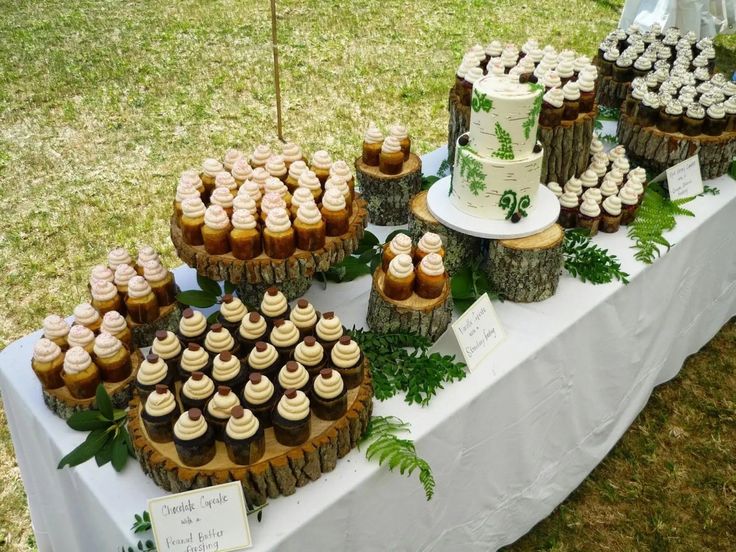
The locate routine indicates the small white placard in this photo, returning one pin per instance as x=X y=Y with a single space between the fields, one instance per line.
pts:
x=211 y=519
x=684 y=179
x=478 y=331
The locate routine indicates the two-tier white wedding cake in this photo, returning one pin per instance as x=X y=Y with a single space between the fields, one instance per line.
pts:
x=498 y=163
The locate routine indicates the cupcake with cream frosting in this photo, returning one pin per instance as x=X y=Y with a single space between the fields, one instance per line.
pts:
x=309 y=180
x=431 y=277
x=610 y=214
x=218 y=339
x=399 y=132
x=569 y=204
x=192 y=326
x=245 y=440
x=328 y=331
x=340 y=169
x=224 y=198
x=292 y=153
x=161 y=281
x=294 y=376
x=228 y=370
x=140 y=302
x=217 y=411
x=341 y=186
x=629 y=205
x=279 y=239
x=260 y=176
x=81 y=336
x=123 y=274
x=196 y=391
x=292 y=418
x=153 y=371
x=284 y=337
x=244 y=202
x=168 y=347
x=81 y=376
x=259 y=397
x=276 y=167
x=274 y=186
x=56 y=329
x=304 y=317
x=320 y=164
x=86 y=315
x=553 y=107
x=210 y=169
x=191 y=178
x=428 y=243
x=299 y=198
x=335 y=213
x=555 y=188
x=264 y=359
x=112 y=359
x=194 y=439
x=575 y=185
x=347 y=359
x=260 y=156
x=310 y=229
x=609 y=187
x=216 y=230
x=253 y=328
x=571 y=103
x=593 y=193
x=329 y=395
x=160 y=413
x=296 y=169
x=146 y=253
x=391 y=158
x=232 y=312
x=400 y=243
x=310 y=354
x=398 y=282
x=118 y=256
x=194 y=359
x=274 y=305
x=589 y=216
x=101 y=272
x=241 y=171
x=245 y=237
x=253 y=190
x=47 y=363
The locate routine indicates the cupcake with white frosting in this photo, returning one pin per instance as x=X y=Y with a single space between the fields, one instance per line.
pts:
x=399 y=132
x=86 y=315
x=398 y=282
x=293 y=376
x=232 y=312
x=428 y=243
x=329 y=395
x=292 y=418
x=216 y=230
x=335 y=213
x=153 y=371
x=194 y=439
x=340 y=169
x=112 y=359
x=296 y=169
x=400 y=243
x=589 y=215
x=276 y=167
x=253 y=328
x=81 y=336
x=245 y=237
x=210 y=169
x=553 y=107
x=320 y=164
x=279 y=240
x=217 y=411
x=146 y=253
x=309 y=180
x=228 y=370
x=140 y=302
x=161 y=281
x=264 y=359
x=610 y=214
x=245 y=440
x=101 y=272
x=292 y=153
x=328 y=331
x=391 y=159
x=123 y=274
x=160 y=413
x=260 y=156
x=284 y=337
x=569 y=204
x=192 y=326
x=218 y=339
x=347 y=359
x=196 y=391
x=47 y=363
x=259 y=397
x=81 y=376
x=56 y=329
x=118 y=256
x=194 y=359
x=191 y=178
x=168 y=347
x=299 y=198
x=310 y=229
x=241 y=171
x=310 y=354
x=274 y=305
x=430 y=277
x=224 y=197
x=304 y=317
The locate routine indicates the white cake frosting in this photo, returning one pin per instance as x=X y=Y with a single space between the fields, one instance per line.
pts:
x=497 y=173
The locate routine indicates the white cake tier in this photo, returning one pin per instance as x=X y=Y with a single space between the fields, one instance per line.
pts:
x=494 y=188
x=504 y=117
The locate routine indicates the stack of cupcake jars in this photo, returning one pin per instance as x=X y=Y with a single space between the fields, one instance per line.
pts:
x=271 y=397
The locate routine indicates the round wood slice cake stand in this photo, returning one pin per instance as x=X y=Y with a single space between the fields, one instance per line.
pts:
x=460 y=249
x=61 y=402
x=426 y=317
x=388 y=195
x=279 y=472
x=658 y=150
x=293 y=275
x=168 y=319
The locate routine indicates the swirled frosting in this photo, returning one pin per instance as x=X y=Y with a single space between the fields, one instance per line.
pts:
x=198 y=389
x=225 y=366
x=225 y=180
x=554 y=97
x=291 y=153
x=232 y=156
x=398 y=131
x=303 y=315
x=274 y=186
x=160 y=404
x=190 y=425
x=430 y=243
x=85 y=314
x=338 y=183
x=242 y=424
x=101 y=272
x=138 y=287
x=241 y=170
x=123 y=274
x=258 y=392
x=76 y=360
x=401 y=266
x=309 y=352
x=284 y=334
x=716 y=111
x=152 y=370
x=696 y=111
x=261 y=358
x=216 y=218
x=341 y=170
x=494 y=48
x=598 y=167
x=575 y=185
x=612 y=205
x=555 y=188
x=252 y=189
x=166 y=345
x=191 y=178
x=192 y=208
x=45 y=350
x=589 y=178
x=569 y=200
x=271 y=201
x=221 y=197
x=276 y=166
x=293 y=376
x=328 y=384
x=609 y=187
x=346 y=353
x=193 y=358
x=118 y=256
x=147 y=253
x=154 y=271
x=552 y=79
x=373 y=135
x=243 y=202
x=586 y=83
x=218 y=339
x=211 y=167
x=333 y=200
x=102 y=290
x=571 y=91
x=252 y=326
x=635 y=186
x=293 y=408
x=593 y=193
x=107 y=345
x=221 y=404
x=329 y=327
x=621 y=164
x=590 y=208
x=432 y=265
x=260 y=155
x=113 y=322
x=259 y=176
x=390 y=145
x=401 y=243
x=278 y=220
x=308 y=179
x=297 y=168
x=321 y=160
x=627 y=196
x=192 y=323
x=308 y=213
x=301 y=195
x=232 y=308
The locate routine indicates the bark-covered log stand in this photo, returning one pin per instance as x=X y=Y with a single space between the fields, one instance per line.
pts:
x=279 y=472
x=528 y=269
x=388 y=195
x=293 y=275
x=61 y=402
x=611 y=93
x=460 y=249
x=426 y=317
x=458 y=124
x=168 y=319
x=657 y=150
x=567 y=147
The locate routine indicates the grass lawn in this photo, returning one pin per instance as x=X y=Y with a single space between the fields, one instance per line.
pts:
x=103 y=104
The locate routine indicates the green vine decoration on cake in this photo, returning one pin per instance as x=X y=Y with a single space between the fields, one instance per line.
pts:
x=481 y=102
x=524 y=204
x=472 y=170
x=534 y=113
x=506 y=149
x=511 y=205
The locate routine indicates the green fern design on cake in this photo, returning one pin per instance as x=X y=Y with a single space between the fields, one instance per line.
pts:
x=534 y=113
x=506 y=150
x=481 y=102
x=524 y=204
x=472 y=170
x=509 y=203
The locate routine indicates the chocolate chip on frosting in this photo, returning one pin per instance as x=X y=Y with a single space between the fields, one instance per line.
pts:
x=223 y=390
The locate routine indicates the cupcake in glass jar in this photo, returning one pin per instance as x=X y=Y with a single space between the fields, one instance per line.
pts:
x=320 y=165
x=670 y=117
x=140 y=302
x=552 y=108
x=715 y=120
x=692 y=121
x=192 y=221
x=295 y=171
x=589 y=216
x=571 y=103
x=232 y=312
x=245 y=238
x=114 y=323
x=372 y=142
x=192 y=326
x=105 y=297
x=241 y=172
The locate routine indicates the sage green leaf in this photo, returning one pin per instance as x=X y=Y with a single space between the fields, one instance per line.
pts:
x=119 y=414
x=229 y=287
x=212 y=318
x=87 y=420
x=119 y=452
x=104 y=404
x=95 y=441
x=208 y=285
x=353 y=268
x=393 y=234
x=104 y=455
x=197 y=298
x=461 y=284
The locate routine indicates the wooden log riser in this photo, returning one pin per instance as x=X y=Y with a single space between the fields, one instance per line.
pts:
x=144 y=334
x=252 y=294
x=388 y=196
x=610 y=92
x=64 y=410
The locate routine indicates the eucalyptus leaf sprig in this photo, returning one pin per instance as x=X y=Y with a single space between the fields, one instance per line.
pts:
x=208 y=295
x=588 y=262
x=400 y=362
x=108 y=440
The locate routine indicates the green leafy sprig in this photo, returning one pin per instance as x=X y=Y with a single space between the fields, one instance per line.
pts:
x=608 y=113
x=397 y=453
x=468 y=284
x=709 y=190
x=208 y=295
x=108 y=440
x=364 y=260
x=400 y=362
x=656 y=215
x=588 y=262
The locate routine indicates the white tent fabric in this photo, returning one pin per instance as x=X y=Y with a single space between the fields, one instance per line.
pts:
x=702 y=17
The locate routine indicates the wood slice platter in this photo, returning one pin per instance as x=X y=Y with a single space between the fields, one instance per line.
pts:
x=657 y=150
x=527 y=269
x=388 y=195
x=279 y=472
x=567 y=147
x=265 y=270
x=460 y=249
x=61 y=402
x=426 y=317
x=168 y=319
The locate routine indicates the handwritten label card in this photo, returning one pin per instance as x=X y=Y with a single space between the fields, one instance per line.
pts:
x=478 y=331
x=205 y=520
x=684 y=179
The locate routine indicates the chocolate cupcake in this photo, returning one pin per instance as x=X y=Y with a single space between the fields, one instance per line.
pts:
x=252 y=329
x=648 y=111
x=194 y=359
x=259 y=397
x=293 y=376
x=594 y=194
x=575 y=186
x=153 y=371
x=304 y=317
x=589 y=216
x=219 y=340
x=347 y=359
x=629 y=205
x=194 y=439
x=608 y=61
x=292 y=418
x=192 y=326
x=264 y=359
x=273 y=306
x=610 y=215
x=670 y=117
x=228 y=370
x=586 y=84
x=232 y=312
x=310 y=354
x=168 y=347
x=329 y=398
x=715 y=120
x=218 y=409
x=245 y=440
x=47 y=363
x=284 y=337
x=569 y=204
x=160 y=413
x=328 y=331
x=552 y=108
x=692 y=121
x=196 y=391
x=571 y=104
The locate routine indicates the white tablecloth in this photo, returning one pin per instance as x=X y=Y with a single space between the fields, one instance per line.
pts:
x=507 y=444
